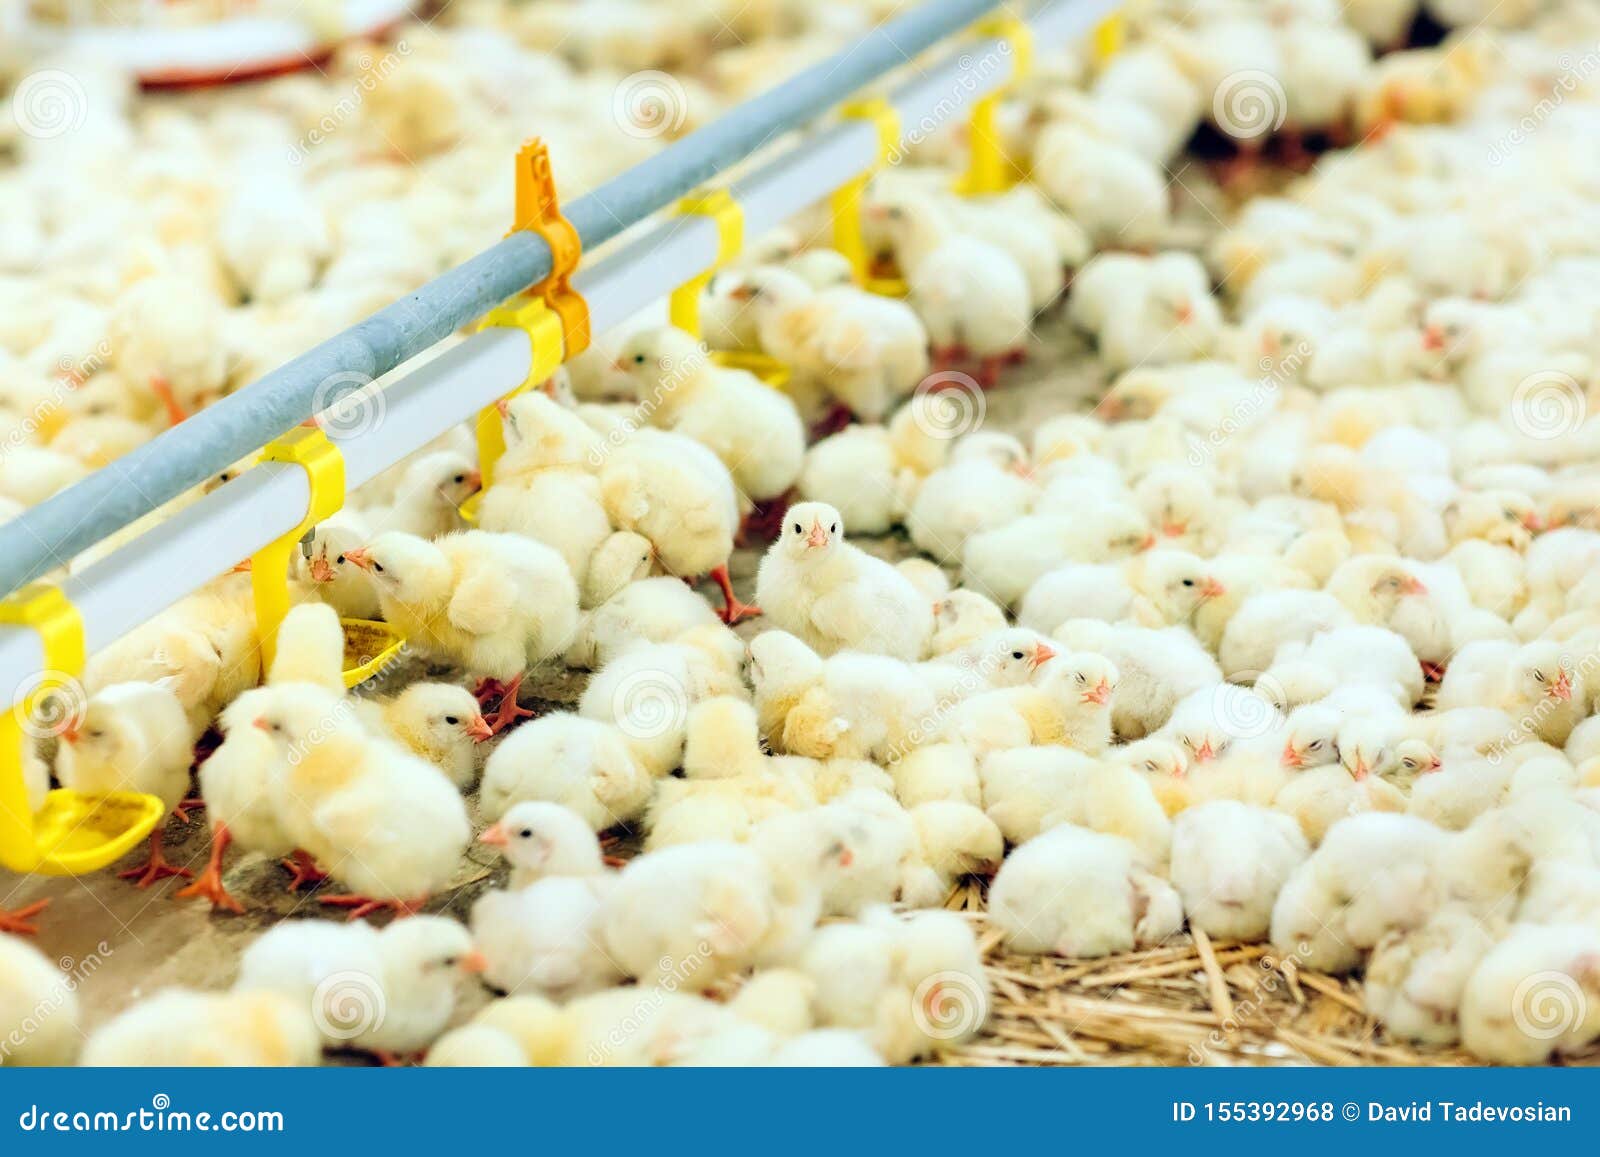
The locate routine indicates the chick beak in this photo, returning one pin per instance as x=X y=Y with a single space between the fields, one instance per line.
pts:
x=321 y=570
x=818 y=537
x=1184 y=313
x=1174 y=529
x=503 y=408
x=473 y=963
x=359 y=557
x=1562 y=687
x=478 y=728
x=1434 y=764
x=1099 y=693
x=241 y=567
x=846 y=858
x=70 y=730
x=1022 y=470
x=1531 y=522
x=1292 y=756
x=1210 y=588
x=474 y=481
x=495 y=836
x=1360 y=771
x=260 y=723
x=1042 y=654
x=741 y=293
x=1413 y=586
x=1204 y=752
x=1147 y=542
x=1433 y=339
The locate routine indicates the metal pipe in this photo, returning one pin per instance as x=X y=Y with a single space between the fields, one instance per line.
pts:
x=182 y=553
x=49 y=534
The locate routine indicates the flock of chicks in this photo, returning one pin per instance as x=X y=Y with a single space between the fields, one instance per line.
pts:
x=1291 y=638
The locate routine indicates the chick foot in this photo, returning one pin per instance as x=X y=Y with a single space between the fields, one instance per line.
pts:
x=19 y=921
x=732 y=609
x=155 y=868
x=208 y=885
x=304 y=869
x=162 y=389
x=1433 y=672
x=181 y=812
x=365 y=905
x=509 y=710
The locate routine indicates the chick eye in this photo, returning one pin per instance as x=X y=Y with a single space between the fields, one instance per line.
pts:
x=449 y=962
x=378 y=566
x=797 y=529
x=834 y=529
x=1150 y=765
x=526 y=833
x=1314 y=745
x=1539 y=675
x=896 y=214
x=451 y=720
x=1016 y=654
x=460 y=478
x=340 y=560
x=1079 y=677
x=1188 y=582
x=638 y=359
x=1408 y=762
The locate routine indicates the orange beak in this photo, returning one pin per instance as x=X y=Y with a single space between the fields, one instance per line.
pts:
x=503 y=407
x=1532 y=523
x=846 y=858
x=741 y=293
x=69 y=730
x=1042 y=654
x=1099 y=693
x=359 y=557
x=818 y=537
x=1147 y=542
x=260 y=723
x=495 y=836
x=1184 y=313
x=478 y=728
x=1433 y=765
x=1291 y=757
x=473 y=963
x=1562 y=687
x=474 y=480
x=1210 y=588
x=1360 y=770
x=1413 y=586
x=1174 y=529
x=241 y=567
x=322 y=570
x=1022 y=470
x=1204 y=752
x=1433 y=339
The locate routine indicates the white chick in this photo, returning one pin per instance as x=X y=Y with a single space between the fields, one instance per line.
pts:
x=374 y=816
x=1533 y=995
x=542 y=839
x=1304 y=672
x=1385 y=590
x=1078 y=893
x=754 y=430
x=1229 y=861
x=1119 y=197
x=971 y=494
x=388 y=992
x=493 y=603
x=1538 y=684
x=181 y=1028
x=854 y=471
x=545 y=938
x=439 y=722
x=338 y=582
x=38 y=1008
x=954 y=840
x=583 y=764
x=961 y=618
x=833 y=595
x=132 y=737
x=427 y=501
x=1070 y=705
x=1265 y=622
x=1004 y=562
x=650 y=610
x=1156 y=670
x=1414 y=980
x=938 y=771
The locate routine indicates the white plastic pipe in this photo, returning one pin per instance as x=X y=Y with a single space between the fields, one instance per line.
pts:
x=141 y=579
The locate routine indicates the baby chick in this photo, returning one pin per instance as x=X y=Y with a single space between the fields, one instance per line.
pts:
x=439 y=722
x=542 y=839
x=562 y=758
x=181 y=1028
x=1229 y=861
x=38 y=1008
x=833 y=595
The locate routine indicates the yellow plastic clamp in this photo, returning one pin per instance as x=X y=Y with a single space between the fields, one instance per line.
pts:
x=1108 y=38
x=989 y=170
x=545 y=346
x=846 y=202
x=683 y=307
x=72 y=833
x=307 y=447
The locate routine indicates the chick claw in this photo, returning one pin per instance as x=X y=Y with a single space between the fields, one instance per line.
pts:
x=162 y=389
x=365 y=905
x=732 y=609
x=509 y=710
x=19 y=921
x=304 y=869
x=156 y=867
x=208 y=885
x=181 y=812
